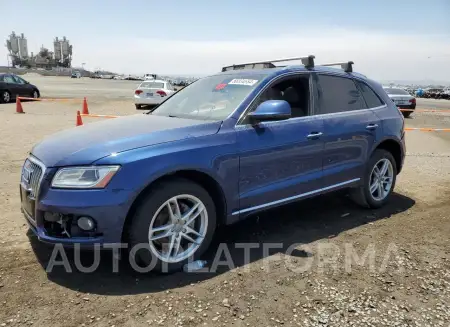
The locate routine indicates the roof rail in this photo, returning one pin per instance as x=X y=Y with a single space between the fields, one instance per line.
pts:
x=308 y=62
x=346 y=66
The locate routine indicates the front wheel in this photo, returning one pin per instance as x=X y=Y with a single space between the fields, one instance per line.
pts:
x=138 y=106
x=175 y=223
x=379 y=180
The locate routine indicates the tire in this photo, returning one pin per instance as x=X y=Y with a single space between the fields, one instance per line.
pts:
x=363 y=195
x=153 y=212
x=138 y=106
x=35 y=94
x=5 y=97
x=406 y=114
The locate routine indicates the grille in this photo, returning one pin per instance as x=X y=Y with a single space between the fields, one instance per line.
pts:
x=31 y=176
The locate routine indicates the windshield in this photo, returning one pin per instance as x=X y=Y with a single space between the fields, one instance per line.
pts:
x=396 y=91
x=210 y=98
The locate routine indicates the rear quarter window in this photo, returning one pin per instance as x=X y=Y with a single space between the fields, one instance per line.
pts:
x=371 y=98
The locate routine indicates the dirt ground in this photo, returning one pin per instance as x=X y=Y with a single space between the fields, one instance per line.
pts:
x=406 y=284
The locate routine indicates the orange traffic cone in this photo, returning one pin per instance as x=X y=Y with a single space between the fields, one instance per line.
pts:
x=85 y=107
x=19 y=108
x=79 y=120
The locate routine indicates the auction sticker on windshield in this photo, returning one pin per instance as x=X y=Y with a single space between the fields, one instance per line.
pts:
x=248 y=82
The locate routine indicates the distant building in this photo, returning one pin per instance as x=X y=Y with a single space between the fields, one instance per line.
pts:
x=18 y=52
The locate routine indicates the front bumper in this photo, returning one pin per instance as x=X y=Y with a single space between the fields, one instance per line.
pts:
x=108 y=209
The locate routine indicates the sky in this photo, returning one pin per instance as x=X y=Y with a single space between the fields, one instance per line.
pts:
x=387 y=40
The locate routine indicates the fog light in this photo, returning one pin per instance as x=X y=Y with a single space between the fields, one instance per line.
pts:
x=86 y=223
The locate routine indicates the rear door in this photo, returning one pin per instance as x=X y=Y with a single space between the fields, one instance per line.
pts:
x=350 y=129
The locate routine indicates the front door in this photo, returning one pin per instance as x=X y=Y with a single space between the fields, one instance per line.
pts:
x=281 y=161
x=350 y=130
x=12 y=86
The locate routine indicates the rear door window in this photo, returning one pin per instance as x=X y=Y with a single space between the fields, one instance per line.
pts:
x=338 y=94
x=372 y=99
x=17 y=79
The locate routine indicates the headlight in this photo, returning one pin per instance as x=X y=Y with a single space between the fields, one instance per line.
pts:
x=84 y=177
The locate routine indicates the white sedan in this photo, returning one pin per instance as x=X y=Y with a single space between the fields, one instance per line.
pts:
x=402 y=100
x=152 y=93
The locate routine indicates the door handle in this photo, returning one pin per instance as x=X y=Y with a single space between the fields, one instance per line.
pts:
x=372 y=127
x=314 y=135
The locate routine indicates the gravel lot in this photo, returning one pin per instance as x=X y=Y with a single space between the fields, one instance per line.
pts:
x=403 y=281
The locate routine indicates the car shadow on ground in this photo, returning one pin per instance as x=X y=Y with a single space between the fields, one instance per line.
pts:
x=303 y=222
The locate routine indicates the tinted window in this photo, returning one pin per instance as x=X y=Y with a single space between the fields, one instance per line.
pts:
x=369 y=95
x=337 y=94
x=294 y=90
x=396 y=91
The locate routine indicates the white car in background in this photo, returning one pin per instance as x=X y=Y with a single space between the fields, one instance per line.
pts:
x=402 y=99
x=152 y=93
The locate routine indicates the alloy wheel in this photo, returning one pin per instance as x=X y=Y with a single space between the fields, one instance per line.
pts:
x=381 y=179
x=35 y=94
x=178 y=228
x=6 y=97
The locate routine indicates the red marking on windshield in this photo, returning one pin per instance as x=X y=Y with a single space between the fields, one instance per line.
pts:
x=220 y=86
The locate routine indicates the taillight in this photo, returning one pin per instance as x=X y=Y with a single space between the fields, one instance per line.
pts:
x=161 y=93
x=413 y=101
x=137 y=92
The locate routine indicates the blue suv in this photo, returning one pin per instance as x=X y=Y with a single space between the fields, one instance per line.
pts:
x=250 y=138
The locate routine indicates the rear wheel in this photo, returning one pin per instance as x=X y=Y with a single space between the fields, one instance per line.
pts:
x=174 y=224
x=379 y=180
x=138 y=106
x=5 y=97
x=35 y=94
x=406 y=114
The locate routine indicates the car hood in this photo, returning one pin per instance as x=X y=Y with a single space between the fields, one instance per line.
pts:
x=85 y=144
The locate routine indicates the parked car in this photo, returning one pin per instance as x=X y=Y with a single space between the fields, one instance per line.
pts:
x=150 y=77
x=75 y=75
x=152 y=93
x=12 y=86
x=402 y=99
x=223 y=148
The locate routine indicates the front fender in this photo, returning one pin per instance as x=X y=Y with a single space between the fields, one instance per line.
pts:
x=213 y=155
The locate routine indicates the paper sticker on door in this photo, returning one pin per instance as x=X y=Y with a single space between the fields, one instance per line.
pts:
x=248 y=82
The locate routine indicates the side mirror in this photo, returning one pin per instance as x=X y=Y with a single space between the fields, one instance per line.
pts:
x=271 y=110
